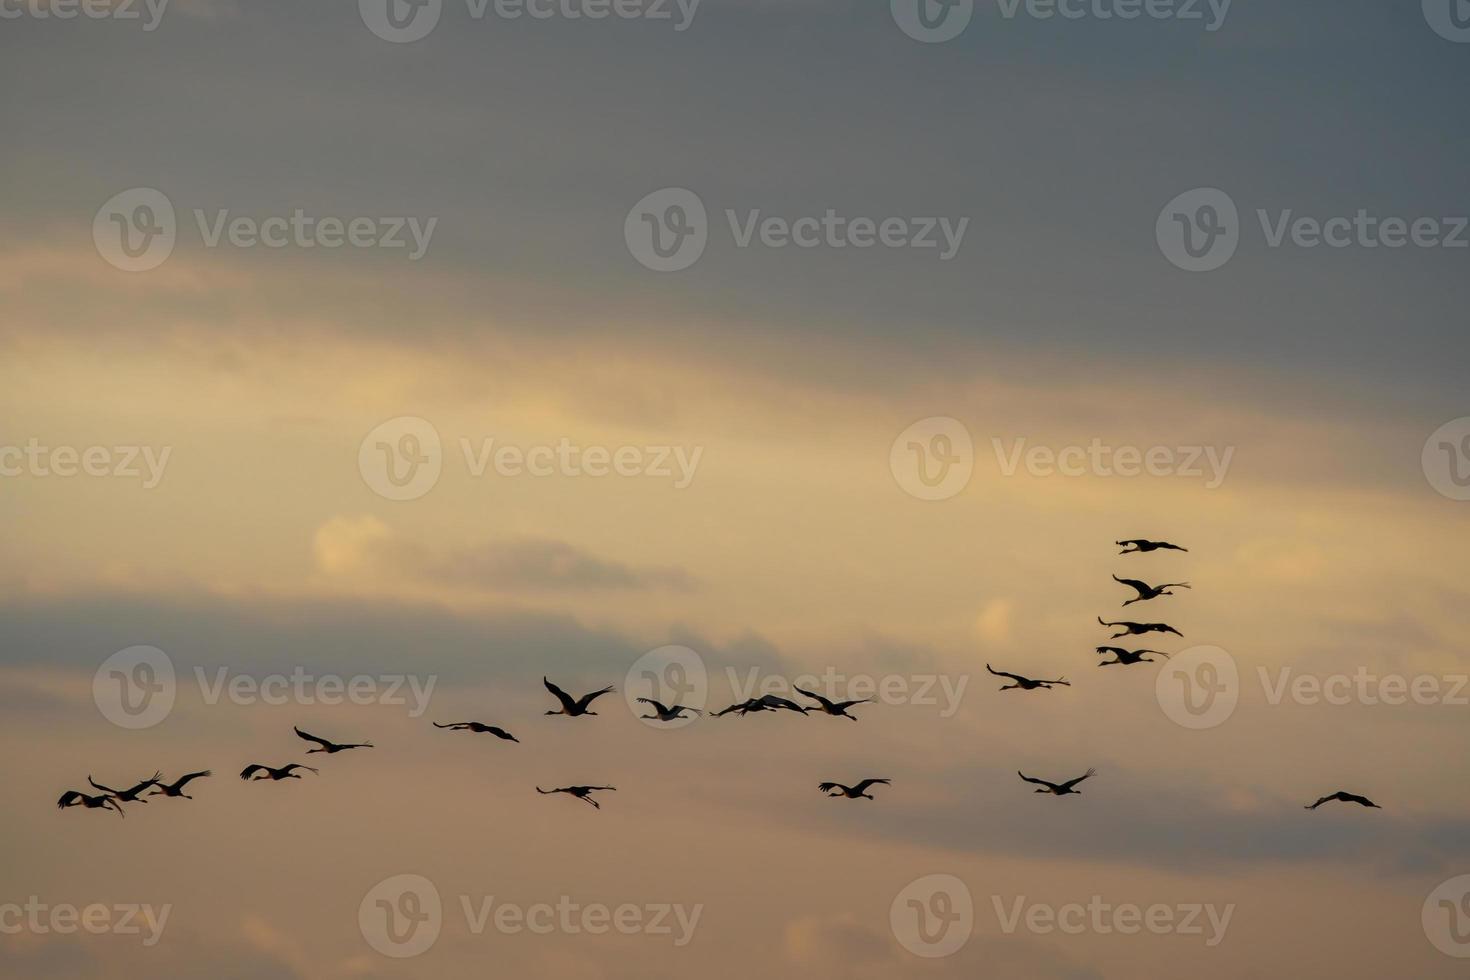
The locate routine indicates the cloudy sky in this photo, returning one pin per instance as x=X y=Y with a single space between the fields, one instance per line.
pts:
x=330 y=354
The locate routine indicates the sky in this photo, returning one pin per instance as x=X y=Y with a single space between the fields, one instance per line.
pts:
x=768 y=343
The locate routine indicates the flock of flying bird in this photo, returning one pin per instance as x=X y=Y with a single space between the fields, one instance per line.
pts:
x=113 y=799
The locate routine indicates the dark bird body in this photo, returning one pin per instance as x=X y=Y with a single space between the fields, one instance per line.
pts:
x=329 y=747
x=583 y=793
x=860 y=791
x=574 y=707
x=1026 y=683
x=1140 y=546
x=127 y=795
x=1058 y=789
x=666 y=712
x=1341 y=797
x=1146 y=591
x=1139 y=629
x=478 y=727
x=837 y=709
x=104 y=802
x=1126 y=657
x=177 y=789
x=260 y=772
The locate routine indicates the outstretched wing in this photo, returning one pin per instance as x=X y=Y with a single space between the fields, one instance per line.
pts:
x=860 y=787
x=193 y=775
x=296 y=765
x=1001 y=673
x=502 y=733
x=814 y=697
x=68 y=798
x=1166 y=628
x=251 y=770
x=312 y=738
x=1073 y=782
x=1133 y=583
x=1038 y=782
x=105 y=789
x=657 y=706
x=844 y=705
x=829 y=787
x=1325 y=799
x=589 y=698
x=566 y=699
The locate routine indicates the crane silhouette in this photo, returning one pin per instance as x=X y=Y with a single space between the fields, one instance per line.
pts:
x=1140 y=546
x=177 y=789
x=1058 y=789
x=475 y=726
x=1146 y=591
x=287 y=771
x=1026 y=683
x=665 y=712
x=838 y=709
x=329 y=747
x=127 y=795
x=857 y=792
x=583 y=793
x=1126 y=657
x=104 y=802
x=573 y=708
x=1341 y=797
x=1139 y=629
x=766 y=702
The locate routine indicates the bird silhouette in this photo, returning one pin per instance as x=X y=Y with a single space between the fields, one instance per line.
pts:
x=329 y=747
x=1126 y=657
x=859 y=791
x=1138 y=629
x=582 y=793
x=475 y=726
x=127 y=795
x=1146 y=591
x=1342 y=797
x=177 y=789
x=73 y=798
x=1058 y=789
x=1139 y=546
x=573 y=708
x=766 y=702
x=1026 y=683
x=665 y=712
x=838 y=709
x=287 y=771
